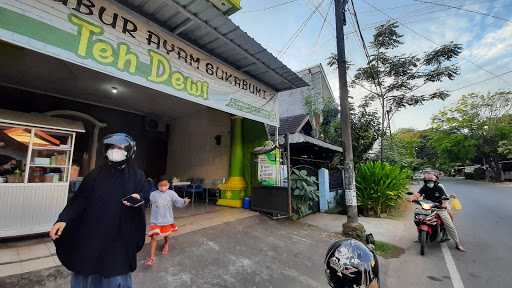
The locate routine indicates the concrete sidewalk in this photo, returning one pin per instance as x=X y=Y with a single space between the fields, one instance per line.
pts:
x=387 y=230
x=250 y=252
x=18 y=257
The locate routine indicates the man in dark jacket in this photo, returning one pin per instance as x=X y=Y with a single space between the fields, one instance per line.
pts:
x=97 y=235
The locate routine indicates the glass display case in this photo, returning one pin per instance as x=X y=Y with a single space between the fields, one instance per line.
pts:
x=50 y=157
x=45 y=154
x=35 y=166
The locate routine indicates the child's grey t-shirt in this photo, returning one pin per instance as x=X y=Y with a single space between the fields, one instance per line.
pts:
x=161 y=206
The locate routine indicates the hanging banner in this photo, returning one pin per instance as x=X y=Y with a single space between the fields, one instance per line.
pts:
x=107 y=37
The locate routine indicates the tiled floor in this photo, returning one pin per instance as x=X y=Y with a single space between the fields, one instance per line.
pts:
x=35 y=254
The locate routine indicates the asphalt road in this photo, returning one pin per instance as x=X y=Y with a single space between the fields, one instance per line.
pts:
x=485 y=230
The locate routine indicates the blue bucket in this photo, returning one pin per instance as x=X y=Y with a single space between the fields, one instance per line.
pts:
x=247 y=203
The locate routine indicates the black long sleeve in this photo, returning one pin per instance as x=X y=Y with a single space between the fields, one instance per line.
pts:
x=103 y=235
x=77 y=204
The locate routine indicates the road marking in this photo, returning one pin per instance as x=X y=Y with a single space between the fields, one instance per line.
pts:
x=452 y=269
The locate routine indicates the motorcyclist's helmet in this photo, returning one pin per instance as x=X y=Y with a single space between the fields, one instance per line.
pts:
x=429 y=179
x=119 y=149
x=350 y=264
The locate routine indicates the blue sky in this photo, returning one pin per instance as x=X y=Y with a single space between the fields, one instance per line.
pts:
x=487 y=41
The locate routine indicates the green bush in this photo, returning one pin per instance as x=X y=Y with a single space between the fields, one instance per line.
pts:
x=381 y=186
x=304 y=192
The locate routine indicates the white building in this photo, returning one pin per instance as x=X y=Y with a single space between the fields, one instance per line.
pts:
x=293 y=102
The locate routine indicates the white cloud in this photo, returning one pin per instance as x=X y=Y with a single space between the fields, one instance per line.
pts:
x=494 y=44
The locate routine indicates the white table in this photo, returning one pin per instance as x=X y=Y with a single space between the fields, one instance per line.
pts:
x=183 y=183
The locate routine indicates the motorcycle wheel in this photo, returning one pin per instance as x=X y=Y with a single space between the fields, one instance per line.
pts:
x=423 y=242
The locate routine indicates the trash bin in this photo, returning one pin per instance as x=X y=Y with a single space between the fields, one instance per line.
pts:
x=247 y=203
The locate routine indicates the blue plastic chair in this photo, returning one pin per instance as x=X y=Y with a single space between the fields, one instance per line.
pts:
x=196 y=187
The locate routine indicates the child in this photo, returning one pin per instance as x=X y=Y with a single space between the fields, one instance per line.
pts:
x=162 y=218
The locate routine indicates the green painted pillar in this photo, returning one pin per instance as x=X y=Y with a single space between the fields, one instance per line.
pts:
x=237 y=152
x=233 y=191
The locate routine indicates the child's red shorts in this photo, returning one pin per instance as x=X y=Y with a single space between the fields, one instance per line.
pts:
x=161 y=230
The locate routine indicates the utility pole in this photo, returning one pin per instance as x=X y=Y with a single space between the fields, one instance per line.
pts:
x=352 y=228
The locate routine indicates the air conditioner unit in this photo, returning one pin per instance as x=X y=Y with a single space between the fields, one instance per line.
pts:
x=152 y=123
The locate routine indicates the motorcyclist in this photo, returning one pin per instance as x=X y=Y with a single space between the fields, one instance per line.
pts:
x=435 y=192
x=351 y=264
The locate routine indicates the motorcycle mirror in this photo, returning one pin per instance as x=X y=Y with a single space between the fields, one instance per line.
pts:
x=370 y=240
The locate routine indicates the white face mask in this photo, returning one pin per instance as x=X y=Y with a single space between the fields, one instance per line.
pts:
x=430 y=185
x=116 y=155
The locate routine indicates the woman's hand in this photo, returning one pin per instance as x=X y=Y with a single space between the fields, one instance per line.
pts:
x=57 y=229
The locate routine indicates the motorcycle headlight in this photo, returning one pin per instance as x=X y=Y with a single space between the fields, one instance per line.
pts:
x=426 y=206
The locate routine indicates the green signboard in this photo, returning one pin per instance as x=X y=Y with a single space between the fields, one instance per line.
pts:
x=105 y=36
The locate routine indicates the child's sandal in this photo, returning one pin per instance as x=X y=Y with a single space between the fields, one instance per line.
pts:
x=165 y=249
x=150 y=261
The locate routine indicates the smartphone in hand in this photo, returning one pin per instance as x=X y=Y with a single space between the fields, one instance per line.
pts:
x=132 y=201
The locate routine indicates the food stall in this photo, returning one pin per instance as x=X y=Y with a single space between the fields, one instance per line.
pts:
x=270 y=191
x=35 y=165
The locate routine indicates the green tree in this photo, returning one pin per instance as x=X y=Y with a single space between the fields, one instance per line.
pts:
x=400 y=148
x=477 y=129
x=452 y=149
x=365 y=128
x=505 y=148
x=394 y=80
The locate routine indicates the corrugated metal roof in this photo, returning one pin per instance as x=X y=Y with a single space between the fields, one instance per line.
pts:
x=301 y=138
x=203 y=25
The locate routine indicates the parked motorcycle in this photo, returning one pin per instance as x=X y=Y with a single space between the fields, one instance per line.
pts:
x=429 y=224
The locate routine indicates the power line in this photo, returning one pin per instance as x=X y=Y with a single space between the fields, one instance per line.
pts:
x=481 y=81
x=358 y=28
x=413 y=4
x=269 y=7
x=324 y=16
x=299 y=30
x=323 y=23
x=356 y=37
x=428 y=39
x=466 y=10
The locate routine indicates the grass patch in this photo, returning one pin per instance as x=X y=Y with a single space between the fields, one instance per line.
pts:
x=387 y=250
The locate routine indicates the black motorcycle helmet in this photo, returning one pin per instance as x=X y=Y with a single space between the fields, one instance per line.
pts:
x=120 y=139
x=350 y=264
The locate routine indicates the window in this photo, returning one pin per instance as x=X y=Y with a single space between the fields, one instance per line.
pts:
x=14 y=144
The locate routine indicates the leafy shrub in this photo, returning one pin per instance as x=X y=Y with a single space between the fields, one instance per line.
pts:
x=381 y=186
x=304 y=192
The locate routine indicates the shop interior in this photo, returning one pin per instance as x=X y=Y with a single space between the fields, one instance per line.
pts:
x=184 y=141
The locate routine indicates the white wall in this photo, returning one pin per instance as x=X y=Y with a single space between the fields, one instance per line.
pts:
x=193 y=152
x=291 y=102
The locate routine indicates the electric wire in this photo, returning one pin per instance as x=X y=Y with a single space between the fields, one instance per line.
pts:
x=323 y=23
x=358 y=29
x=481 y=81
x=430 y=40
x=465 y=10
x=269 y=7
x=299 y=30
